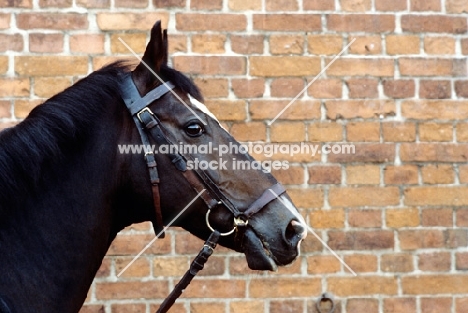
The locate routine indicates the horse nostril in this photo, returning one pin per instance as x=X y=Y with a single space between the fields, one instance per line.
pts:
x=295 y=232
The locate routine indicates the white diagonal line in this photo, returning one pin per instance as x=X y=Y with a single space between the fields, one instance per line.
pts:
x=313 y=81
x=157 y=236
x=316 y=236
x=159 y=78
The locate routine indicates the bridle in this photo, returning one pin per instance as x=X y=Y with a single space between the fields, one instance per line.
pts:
x=148 y=124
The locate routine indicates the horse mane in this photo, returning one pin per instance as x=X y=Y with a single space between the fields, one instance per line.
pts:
x=56 y=128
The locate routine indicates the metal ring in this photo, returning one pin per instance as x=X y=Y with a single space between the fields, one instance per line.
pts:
x=324 y=298
x=207 y=218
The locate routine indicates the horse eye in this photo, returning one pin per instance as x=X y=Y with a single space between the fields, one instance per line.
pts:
x=194 y=129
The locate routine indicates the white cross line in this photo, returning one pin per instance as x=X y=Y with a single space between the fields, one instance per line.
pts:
x=159 y=78
x=313 y=81
x=157 y=236
x=316 y=236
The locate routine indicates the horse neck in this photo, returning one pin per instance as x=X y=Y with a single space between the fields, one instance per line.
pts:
x=57 y=237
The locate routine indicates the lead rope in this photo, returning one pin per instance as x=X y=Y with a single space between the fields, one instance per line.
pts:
x=197 y=265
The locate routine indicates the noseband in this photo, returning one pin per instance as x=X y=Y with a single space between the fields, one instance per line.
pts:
x=148 y=124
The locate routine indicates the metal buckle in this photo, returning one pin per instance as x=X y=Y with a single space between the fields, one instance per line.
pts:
x=146 y=109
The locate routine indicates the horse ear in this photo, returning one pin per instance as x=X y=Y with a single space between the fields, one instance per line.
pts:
x=155 y=56
x=156 y=50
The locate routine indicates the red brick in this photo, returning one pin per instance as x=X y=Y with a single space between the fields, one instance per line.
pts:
x=177 y=43
x=131 y=290
x=435 y=284
x=170 y=3
x=283 y=287
x=93 y=3
x=362 y=285
x=5 y=109
x=435 y=305
x=438 y=174
x=286 y=306
x=456 y=6
x=287 y=132
x=326 y=89
x=435 y=262
x=11 y=42
x=324 y=44
x=461 y=259
x=435 y=89
x=439 y=45
x=361 y=240
x=246 y=306
x=355 y=305
x=89 y=43
x=135 y=40
x=108 y=21
x=294 y=175
x=455 y=196
x=247 y=44
x=45 y=43
x=399 y=132
x=325 y=132
x=348 y=109
x=299 y=110
x=433 y=152
x=55 y=3
x=46 y=87
x=461 y=88
x=318 y=5
x=398 y=305
x=51 y=65
x=213 y=87
x=278 y=66
x=365 y=218
x=362 y=263
x=205 y=5
x=139 y=269
x=227 y=110
x=244 y=5
x=248 y=88
x=123 y=308
x=435 y=132
x=286 y=44
x=363 y=174
x=89 y=308
x=281 y=5
x=402 y=44
x=371 y=23
x=461 y=304
x=286 y=87
x=323 y=264
x=307 y=197
x=361 y=67
x=421 y=239
x=252 y=131
x=210 y=21
x=363 y=87
x=212 y=65
x=5 y=21
x=437 y=217
x=397 y=263
x=125 y=245
x=60 y=21
x=324 y=174
x=399 y=89
x=404 y=217
x=367 y=45
x=23 y=107
x=396 y=5
x=207 y=307
x=363 y=131
x=16 y=4
x=462 y=217
x=426 y=67
x=287 y=22
x=435 y=109
x=216 y=288
x=425 y=5
x=364 y=153
x=401 y=175
x=434 y=24
x=464 y=46
x=14 y=87
x=208 y=43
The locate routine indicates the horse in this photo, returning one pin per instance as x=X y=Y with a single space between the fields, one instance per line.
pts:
x=66 y=189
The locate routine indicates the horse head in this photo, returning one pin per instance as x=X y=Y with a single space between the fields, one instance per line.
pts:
x=252 y=209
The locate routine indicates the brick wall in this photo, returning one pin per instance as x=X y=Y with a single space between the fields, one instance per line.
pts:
x=396 y=211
